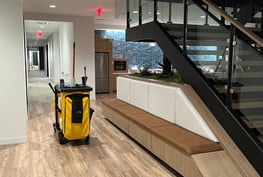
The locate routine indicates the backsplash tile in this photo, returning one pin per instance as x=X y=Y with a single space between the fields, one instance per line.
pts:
x=142 y=54
x=138 y=53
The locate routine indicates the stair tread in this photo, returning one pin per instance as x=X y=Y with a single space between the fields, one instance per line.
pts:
x=244 y=89
x=258 y=117
x=242 y=75
x=192 y=28
x=248 y=105
x=242 y=63
x=258 y=88
x=254 y=124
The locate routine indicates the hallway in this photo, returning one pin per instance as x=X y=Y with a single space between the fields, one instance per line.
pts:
x=110 y=153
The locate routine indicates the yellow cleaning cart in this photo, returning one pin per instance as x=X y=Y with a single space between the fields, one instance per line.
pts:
x=72 y=112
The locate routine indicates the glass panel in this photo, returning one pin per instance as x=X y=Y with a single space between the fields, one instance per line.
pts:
x=163 y=12
x=247 y=85
x=207 y=47
x=196 y=15
x=170 y=15
x=169 y=12
x=177 y=13
x=134 y=13
x=147 y=11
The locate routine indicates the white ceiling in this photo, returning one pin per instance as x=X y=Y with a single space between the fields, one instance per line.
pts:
x=32 y=27
x=71 y=7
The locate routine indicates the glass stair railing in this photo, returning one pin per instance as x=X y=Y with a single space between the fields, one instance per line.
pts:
x=247 y=12
x=222 y=55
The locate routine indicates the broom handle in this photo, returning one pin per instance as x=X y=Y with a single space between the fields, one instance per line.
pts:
x=74 y=59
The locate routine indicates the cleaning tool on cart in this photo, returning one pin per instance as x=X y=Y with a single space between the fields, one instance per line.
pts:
x=84 y=78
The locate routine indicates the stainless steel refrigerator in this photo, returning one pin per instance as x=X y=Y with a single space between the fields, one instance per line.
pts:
x=102 y=72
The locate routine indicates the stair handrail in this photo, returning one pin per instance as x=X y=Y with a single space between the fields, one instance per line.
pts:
x=234 y=22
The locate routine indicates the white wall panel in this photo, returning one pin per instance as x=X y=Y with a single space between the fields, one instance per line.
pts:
x=123 y=89
x=188 y=117
x=139 y=94
x=162 y=101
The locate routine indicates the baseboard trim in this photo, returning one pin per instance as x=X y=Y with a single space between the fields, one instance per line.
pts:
x=13 y=140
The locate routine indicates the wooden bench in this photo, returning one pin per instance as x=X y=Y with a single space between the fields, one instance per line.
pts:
x=169 y=142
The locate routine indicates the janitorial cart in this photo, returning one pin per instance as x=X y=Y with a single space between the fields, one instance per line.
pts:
x=72 y=112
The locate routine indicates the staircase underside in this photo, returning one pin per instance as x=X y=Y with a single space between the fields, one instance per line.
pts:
x=235 y=128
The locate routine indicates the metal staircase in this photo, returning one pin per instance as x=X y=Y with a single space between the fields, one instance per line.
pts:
x=216 y=54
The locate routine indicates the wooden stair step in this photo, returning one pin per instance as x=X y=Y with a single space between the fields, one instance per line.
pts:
x=254 y=124
x=248 y=105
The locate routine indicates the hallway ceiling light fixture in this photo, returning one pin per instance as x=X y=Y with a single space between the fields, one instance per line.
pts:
x=42 y=23
x=52 y=6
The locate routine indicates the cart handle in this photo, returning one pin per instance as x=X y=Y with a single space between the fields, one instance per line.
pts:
x=52 y=88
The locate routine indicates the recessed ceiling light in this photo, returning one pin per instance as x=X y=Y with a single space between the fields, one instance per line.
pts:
x=52 y=6
x=135 y=12
x=42 y=23
x=202 y=16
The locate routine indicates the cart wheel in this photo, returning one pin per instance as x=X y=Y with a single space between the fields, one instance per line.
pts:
x=87 y=139
x=61 y=138
x=54 y=126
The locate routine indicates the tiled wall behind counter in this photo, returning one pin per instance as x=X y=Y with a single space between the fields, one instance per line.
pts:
x=138 y=53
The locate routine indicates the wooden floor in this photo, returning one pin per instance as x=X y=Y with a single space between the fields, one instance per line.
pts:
x=110 y=153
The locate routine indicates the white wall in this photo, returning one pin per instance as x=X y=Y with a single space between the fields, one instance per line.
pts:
x=66 y=45
x=54 y=57
x=85 y=49
x=83 y=35
x=45 y=60
x=13 y=111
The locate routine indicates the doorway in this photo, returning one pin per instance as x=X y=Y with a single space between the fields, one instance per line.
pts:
x=36 y=57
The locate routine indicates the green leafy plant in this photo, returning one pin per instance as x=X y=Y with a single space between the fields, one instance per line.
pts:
x=143 y=71
x=167 y=75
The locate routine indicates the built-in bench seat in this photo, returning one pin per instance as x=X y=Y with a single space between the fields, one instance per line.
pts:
x=185 y=140
x=135 y=114
x=166 y=140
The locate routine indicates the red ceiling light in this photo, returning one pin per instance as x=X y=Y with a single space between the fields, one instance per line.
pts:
x=99 y=12
x=39 y=34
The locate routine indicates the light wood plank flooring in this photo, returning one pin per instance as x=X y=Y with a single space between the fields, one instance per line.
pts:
x=110 y=153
